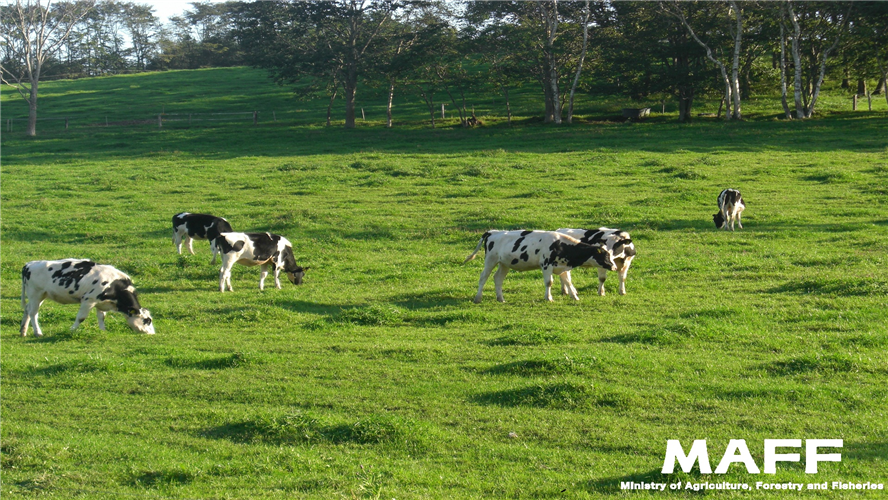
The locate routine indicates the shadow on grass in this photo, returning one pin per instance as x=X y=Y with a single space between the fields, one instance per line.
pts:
x=813 y=363
x=230 y=141
x=540 y=367
x=846 y=287
x=561 y=396
x=154 y=479
x=216 y=363
x=299 y=428
x=612 y=485
x=866 y=451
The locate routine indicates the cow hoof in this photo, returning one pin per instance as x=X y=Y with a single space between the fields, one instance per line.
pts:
x=477 y=300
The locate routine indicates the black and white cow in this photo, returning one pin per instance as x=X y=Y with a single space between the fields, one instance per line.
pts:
x=554 y=253
x=188 y=227
x=73 y=281
x=257 y=249
x=620 y=245
x=730 y=206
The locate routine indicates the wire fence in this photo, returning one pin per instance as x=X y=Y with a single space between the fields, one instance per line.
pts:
x=159 y=120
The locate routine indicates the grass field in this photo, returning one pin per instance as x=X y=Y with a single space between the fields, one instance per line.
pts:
x=378 y=377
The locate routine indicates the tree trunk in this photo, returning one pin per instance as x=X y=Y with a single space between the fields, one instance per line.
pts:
x=685 y=100
x=508 y=106
x=880 y=87
x=797 y=61
x=735 y=65
x=786 y=111
x=32 y=110
x=330 y=107
x=350 y=90
x=556 y=98
x=861 y=86
x=573 y=88
x=388 y=112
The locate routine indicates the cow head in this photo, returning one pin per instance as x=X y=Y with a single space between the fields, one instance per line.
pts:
x=140 y=320
x=296 y=275
x=719 y=220
x=604 y=257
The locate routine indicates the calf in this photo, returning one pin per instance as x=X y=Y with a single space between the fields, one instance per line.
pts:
x=72 y=281
x=616 y=241
x=730 y=206
x=257 y=249
x=188 y=227
x=525 y=250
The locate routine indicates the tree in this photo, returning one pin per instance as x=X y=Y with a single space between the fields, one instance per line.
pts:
x=733 y=34
x=646 y=54
x=34 y=32
x=142 y=26
x=320 y=41
x=543 y=36
x=811 y=47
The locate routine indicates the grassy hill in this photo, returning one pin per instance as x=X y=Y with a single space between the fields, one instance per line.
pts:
x=214 y=95
x=378 y=377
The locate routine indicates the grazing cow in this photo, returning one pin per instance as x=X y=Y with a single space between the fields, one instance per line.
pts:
x=525 y=250
x=257 y=249
x=188 y=227
x=620 y=246
x=72 y=281
x=730 y=206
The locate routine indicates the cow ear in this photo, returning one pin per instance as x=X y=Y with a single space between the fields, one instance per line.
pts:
x=133 y=312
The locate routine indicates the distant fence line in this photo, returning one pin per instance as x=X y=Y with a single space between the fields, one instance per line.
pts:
x=159 y=119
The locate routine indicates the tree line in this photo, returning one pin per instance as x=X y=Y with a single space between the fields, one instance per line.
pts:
x=446 y=51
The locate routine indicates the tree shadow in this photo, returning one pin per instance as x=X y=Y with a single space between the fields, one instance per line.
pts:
x=611 y=485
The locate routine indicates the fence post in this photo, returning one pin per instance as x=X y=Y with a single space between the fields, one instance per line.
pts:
x=159 y=121
x=869 y=99
x=442 y=111
x=854 y=103
x=255 y=117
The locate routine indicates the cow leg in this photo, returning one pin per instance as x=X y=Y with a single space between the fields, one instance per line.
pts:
x=31 y=311
x=277 y=277
x=225 y=274
x=573 y=291
x=565 y=279
x=85 y=307
x=739 y=222
x=214 y=250
x=547 y=280
x=100 y=315
x=498 y=281
x=622 y=271
x=485 y=273
x=177 y=240
x=263 y=272
x=188 y=242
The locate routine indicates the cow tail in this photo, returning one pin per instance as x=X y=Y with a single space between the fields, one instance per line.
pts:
x=477 y=248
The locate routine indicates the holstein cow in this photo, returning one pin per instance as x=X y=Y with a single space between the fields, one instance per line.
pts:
x=188 y=227
x=72 y=281
x=730 y=206
x=616 y=241
x=525 y=250
x=257 y=249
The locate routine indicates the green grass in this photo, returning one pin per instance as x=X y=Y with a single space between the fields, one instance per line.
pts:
x=379 y=378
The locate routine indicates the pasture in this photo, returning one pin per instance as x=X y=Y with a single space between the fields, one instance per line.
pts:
x=378 y=377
